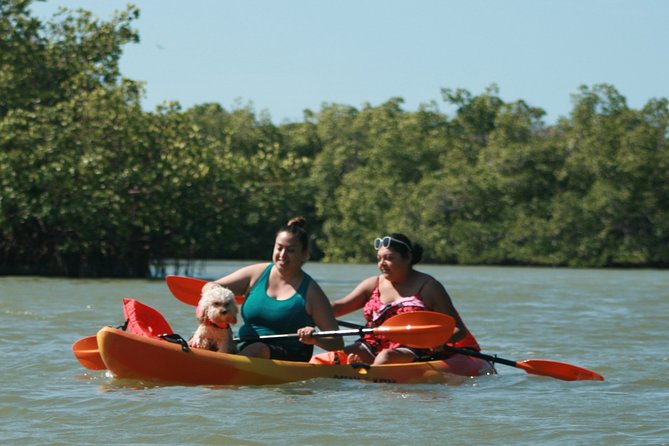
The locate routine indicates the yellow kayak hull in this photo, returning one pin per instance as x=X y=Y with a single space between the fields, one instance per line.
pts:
x=129 y=356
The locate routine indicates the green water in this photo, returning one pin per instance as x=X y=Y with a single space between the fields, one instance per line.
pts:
x=611 y=321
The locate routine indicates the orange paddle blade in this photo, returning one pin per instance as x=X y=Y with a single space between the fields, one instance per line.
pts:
x=419 y=329
x=559 y=370
x=189 y=289
x=186 y=289
x=543 y=367
x=87 y=353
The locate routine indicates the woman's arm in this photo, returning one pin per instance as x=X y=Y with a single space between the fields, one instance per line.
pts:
x=356 y=299
x=436 y=297
x=318 y=306
x=240 y=281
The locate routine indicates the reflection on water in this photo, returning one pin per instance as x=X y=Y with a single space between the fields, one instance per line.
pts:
x=611 y=321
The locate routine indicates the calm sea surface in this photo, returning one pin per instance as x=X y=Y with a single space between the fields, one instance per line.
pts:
x=612 y=321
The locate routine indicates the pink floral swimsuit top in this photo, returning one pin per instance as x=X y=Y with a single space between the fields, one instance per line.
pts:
x=376 y=312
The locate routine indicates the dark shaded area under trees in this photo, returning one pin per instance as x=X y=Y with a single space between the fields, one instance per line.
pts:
x=92 y=185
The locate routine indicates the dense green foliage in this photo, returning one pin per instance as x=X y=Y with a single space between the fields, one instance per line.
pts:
x=92 y=185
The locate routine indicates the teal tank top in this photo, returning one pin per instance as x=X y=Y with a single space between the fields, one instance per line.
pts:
x=264 y=315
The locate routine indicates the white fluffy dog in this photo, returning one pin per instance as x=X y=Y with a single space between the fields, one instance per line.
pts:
x=216 y=310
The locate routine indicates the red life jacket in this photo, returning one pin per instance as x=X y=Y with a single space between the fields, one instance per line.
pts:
x=144 y=320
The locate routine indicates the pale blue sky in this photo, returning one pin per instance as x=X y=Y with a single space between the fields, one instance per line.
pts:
x=287 y=56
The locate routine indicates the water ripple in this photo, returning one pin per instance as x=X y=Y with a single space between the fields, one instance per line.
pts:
x=609 y=321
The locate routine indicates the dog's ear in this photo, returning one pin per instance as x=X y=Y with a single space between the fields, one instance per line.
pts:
x=234 y=309
x=199 y=311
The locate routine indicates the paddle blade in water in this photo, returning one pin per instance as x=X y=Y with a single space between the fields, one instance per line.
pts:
x=419 y=329
x=87 y=353
x=559 y=370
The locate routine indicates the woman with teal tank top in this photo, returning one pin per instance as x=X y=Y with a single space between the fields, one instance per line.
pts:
x=282 y=298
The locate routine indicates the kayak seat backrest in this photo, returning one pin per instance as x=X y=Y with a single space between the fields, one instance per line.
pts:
x=144 y=320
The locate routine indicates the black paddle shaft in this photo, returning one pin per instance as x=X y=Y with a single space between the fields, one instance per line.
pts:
x=318 y=334
x=475 y=354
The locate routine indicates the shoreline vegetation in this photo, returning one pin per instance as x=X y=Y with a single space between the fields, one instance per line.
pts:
x=92 y=185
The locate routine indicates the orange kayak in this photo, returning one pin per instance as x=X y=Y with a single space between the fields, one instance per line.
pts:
x=130 y=356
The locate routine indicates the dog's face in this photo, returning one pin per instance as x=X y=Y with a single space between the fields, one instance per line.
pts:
x=217 y=305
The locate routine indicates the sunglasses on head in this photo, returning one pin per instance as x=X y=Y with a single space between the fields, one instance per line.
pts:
x=384 y=242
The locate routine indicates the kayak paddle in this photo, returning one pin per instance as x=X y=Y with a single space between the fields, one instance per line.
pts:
x=87 y=353
x=189 y=289
x=419 y=329
x=543 y=367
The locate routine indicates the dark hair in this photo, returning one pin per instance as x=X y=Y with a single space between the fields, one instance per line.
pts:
x=296 y=227
x=416 y=249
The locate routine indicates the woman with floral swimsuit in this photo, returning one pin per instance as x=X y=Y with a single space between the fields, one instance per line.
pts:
x=398 y=289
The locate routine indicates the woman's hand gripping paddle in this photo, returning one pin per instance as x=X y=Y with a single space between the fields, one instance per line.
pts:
x=419 y=329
